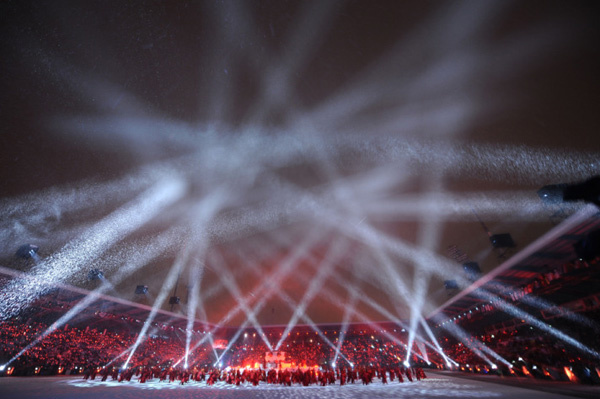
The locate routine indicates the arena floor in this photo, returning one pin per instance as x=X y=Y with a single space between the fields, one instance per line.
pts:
x=438 y=385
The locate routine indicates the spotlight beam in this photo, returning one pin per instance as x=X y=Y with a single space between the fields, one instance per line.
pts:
x=531 y=320
x=196 y=275
x=63 y=264
x=325 y=268
x=203 y=212
x=345 y=322
x=474 y=345
x=160 y=299
x=226 y=276
x=271 y=282
x=435 y=342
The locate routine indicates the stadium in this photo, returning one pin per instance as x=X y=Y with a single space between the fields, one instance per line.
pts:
x=300 y=199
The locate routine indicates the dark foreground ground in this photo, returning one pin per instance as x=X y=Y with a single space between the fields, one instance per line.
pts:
x=437 y=385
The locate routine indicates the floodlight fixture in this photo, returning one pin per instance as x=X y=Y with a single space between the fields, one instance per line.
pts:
x=141 y=290
x=552 y=194
x=95 y=274
x=503 y=240
x=27 y=251
x=472 y=270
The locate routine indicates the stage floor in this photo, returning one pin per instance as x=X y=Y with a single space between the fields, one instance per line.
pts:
x=437 y=385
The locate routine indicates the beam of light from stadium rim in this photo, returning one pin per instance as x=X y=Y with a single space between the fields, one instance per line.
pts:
x=415 y=315
x=405 y=250
x=196 y=274
x=324 y=270
x=203 y=212
x=414 y=305
x=209 y=335
x=501 y=304
x=542 y=304
x=226 y=276
x=436 y=343
x=474 y=345
x=314 y=327
x=114 y=359
x=345 y=322
x=74 y=255
x=160 y=299
x=428 y=237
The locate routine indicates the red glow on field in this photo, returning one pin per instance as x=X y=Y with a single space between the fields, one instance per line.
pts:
x=220 y=344
x=570 y=374
x=547 y=374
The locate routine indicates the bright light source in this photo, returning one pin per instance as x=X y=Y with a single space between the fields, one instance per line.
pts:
x=3 y=367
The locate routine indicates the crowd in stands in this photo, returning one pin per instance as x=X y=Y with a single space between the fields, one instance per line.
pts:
x=309 y=357
x=535 y=350
x=71 y=349
x=553 y=277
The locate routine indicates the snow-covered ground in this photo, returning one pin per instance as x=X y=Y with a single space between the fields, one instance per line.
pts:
x=436 y=386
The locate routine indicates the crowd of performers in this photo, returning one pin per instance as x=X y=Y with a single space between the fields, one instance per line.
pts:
x=279 y=376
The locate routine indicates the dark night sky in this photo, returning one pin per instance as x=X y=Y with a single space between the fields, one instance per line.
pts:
x=498 y=98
